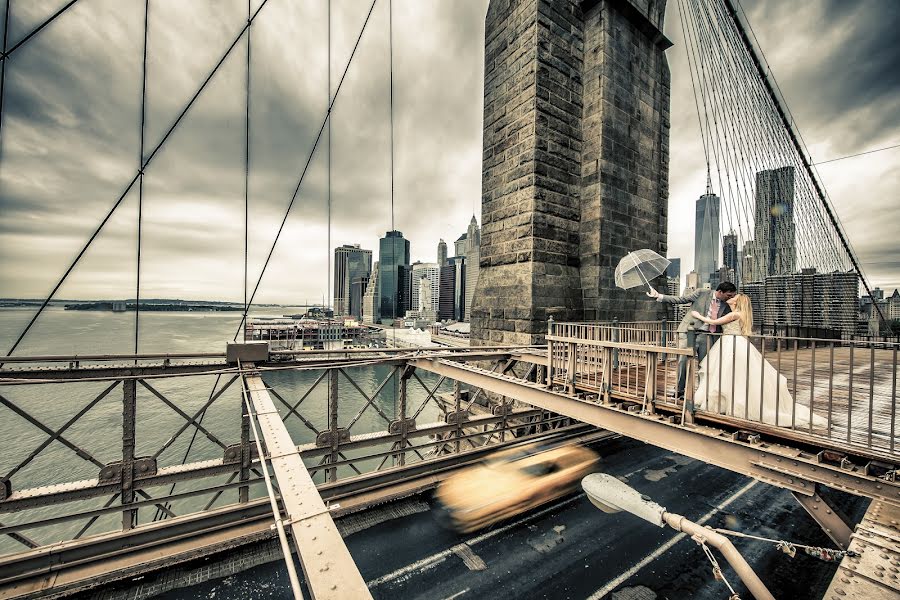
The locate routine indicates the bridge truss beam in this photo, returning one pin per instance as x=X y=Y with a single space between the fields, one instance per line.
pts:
x=329 y=570
x=782 y=466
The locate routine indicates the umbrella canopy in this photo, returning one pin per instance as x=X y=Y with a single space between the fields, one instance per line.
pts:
x=639 y=267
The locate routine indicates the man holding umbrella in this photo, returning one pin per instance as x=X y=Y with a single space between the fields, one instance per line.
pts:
x=639 y=267
x=693 y=333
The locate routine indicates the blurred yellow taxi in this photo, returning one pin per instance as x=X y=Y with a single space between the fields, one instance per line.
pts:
x=510 y=482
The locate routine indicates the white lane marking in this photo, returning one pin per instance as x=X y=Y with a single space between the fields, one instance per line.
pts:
x=429 y=561
x=457 y=594
x=472 y=561
x=665 y=547
x=416 y=567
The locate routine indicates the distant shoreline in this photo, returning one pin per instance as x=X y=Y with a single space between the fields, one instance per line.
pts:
x=154 y=307
x=128 y=305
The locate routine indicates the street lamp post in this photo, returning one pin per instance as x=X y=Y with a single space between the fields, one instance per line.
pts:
x=611 y=495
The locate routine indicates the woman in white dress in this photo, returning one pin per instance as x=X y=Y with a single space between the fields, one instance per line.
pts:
x=736 y=380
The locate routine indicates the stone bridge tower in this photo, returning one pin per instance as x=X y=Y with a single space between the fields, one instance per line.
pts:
x=576 y=155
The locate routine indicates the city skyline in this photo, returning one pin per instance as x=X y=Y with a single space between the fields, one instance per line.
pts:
x=70 y=138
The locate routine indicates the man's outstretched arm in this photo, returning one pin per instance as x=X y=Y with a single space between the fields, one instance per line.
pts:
x=689 y=299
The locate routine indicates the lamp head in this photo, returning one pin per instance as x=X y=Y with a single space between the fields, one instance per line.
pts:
x=611 y=495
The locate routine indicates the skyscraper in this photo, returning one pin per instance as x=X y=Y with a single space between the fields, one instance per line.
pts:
x=774 y=241
x=460 y=245
x=674 y=268
x=692 y=283
x=350 y=262
x=452 y=302
x=393 y=276
x=706 y=236
x=431 y=272
x=357 y=292
x=894 y=306
x=473 y=257
x=748 y=262
x=730 y=251
x=371 y=307
x=442 y=254
x=809 y=299
x=673 y=288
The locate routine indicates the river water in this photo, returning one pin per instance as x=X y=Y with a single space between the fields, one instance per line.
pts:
x=99 y=430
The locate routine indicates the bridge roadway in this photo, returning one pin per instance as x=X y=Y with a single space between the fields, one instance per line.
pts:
x=569 y=549
x=792 y=468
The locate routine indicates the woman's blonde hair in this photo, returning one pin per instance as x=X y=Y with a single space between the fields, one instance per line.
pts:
x=742 y=304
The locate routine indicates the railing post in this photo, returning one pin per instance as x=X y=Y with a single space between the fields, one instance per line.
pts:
x=129 y=410
x=457 y=403
x=572 y=365
x=664 y=335
x=615 y=338
x=550 y=332
x=687 y=414
x=331 y=474
x=650 y=384
x=606 y=375
x=401 y=417
x=246 y=452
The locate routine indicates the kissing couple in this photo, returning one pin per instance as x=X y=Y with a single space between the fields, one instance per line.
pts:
x=735 y=379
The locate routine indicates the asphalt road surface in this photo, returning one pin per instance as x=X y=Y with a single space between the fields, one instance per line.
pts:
x=569 y=549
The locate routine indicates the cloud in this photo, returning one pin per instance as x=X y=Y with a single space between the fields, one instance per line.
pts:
x=71 y=130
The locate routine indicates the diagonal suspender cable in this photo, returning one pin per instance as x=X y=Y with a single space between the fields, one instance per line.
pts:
x=134 y=180
x=137 y=294
x=287 y=212
x=7 y=53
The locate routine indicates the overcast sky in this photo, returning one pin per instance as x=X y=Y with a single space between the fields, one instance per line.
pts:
x=71 y=129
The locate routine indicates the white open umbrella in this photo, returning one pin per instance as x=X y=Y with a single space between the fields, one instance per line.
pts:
x=639 y=267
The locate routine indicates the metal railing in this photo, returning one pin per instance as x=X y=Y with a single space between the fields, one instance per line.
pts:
x=839 y=391
x=112 y=446
x=656 y=333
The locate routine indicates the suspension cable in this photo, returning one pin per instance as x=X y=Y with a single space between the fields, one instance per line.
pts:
x=396 y=299
x=693 y=87
x=134 y=180
x=328 y=289
x=137 y=293
x=187 y=452
x=391 y=68
x=246 y=166
x=771 y=85
x=831 y=160
x=287 y=212
x=3 y=65
x=742 y=133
